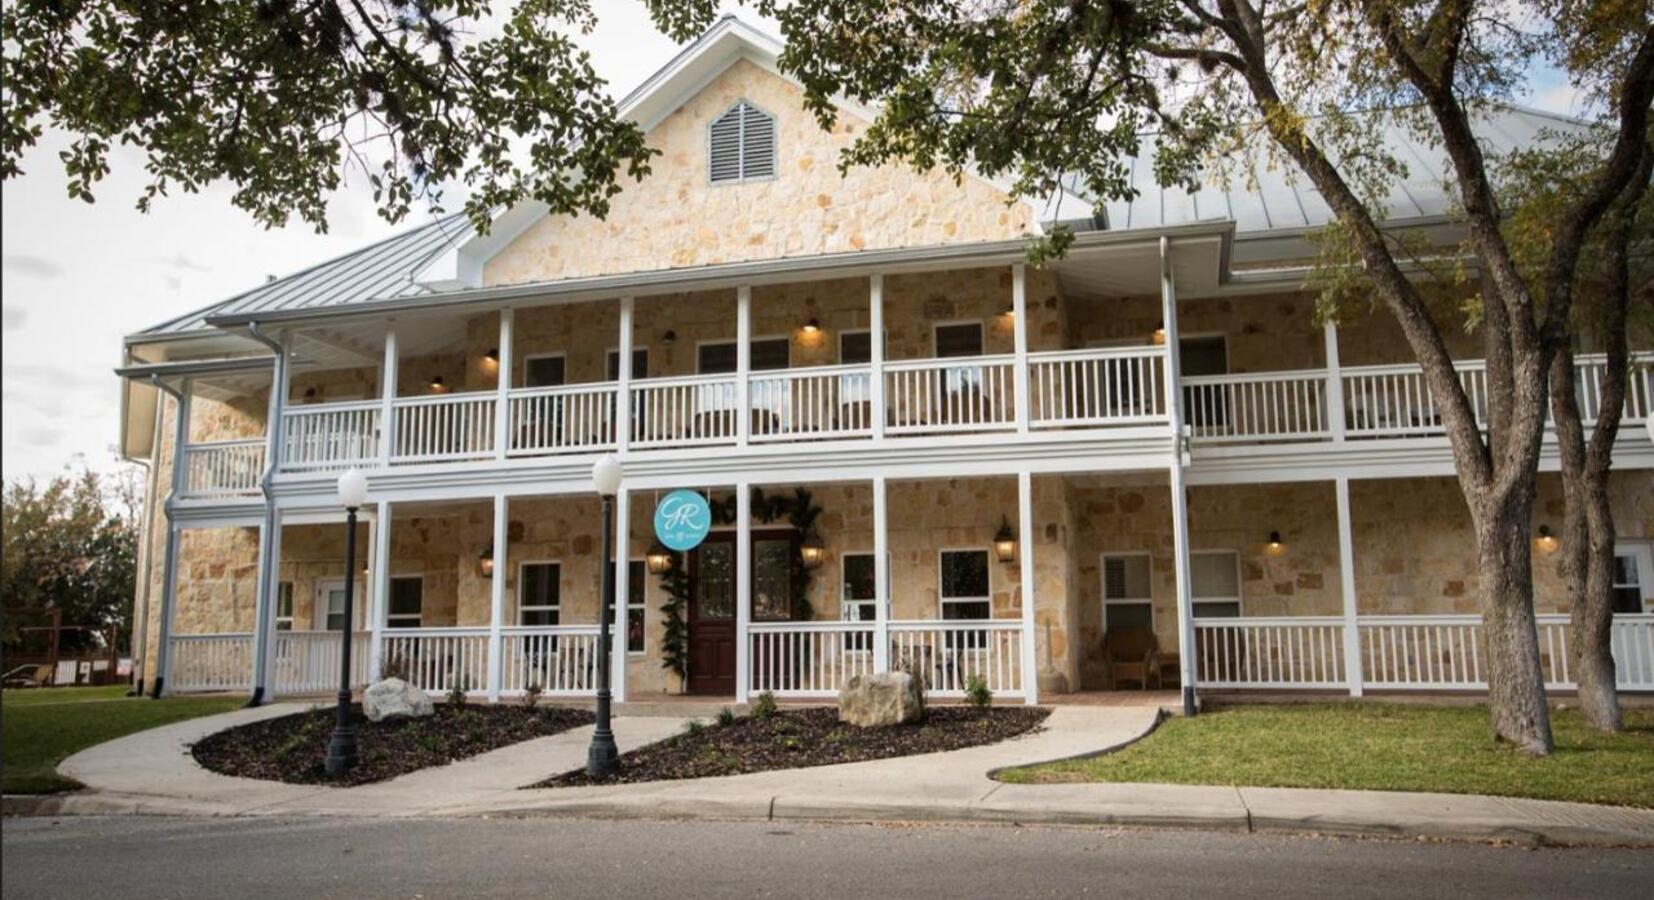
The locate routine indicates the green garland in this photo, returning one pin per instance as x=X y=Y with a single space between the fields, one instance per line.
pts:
x=674 y=641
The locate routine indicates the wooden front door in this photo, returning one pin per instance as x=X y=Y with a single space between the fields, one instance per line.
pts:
x=712 y=616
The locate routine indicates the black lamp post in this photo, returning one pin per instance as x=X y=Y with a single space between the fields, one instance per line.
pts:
x=341 y=749
x=602 y=756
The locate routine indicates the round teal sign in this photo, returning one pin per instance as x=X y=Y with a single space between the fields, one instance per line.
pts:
x=682 y=520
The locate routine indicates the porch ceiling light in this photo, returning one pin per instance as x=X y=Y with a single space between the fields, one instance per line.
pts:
x=437 y=385
x=1546 y=541
x=494 y=354
x=813 y=326
x=812 y=552
x=658 y=560
x=1005 y=541
x=485 y=563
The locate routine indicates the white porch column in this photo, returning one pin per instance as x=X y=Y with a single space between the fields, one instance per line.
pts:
x=1346 y=579
x=380 y=589
x=1025 y=525
x=169 y=583
x=267 y=585
x=502 y=389
x=1335 y=383
x=743 y=364
x=1019 y=321
x=875 y=343
x=387 y=394
x=496 y=589
x=623 y=584
x=1179 y=490
x=881 y=575
x=743 y=588
x=623 y=388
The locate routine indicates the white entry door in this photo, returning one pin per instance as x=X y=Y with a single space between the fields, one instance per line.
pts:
x=1634 y=578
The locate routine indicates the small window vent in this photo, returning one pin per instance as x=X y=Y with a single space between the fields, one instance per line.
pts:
x=741 y=145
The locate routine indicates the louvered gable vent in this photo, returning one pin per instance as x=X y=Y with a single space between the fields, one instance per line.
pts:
x=741 y=145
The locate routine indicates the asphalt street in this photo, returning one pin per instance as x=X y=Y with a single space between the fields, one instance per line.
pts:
x=137 y=857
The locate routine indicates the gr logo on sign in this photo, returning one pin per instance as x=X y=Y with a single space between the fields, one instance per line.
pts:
x=682 y=520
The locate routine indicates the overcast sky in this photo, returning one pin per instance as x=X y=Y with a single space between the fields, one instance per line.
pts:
x=78 y=276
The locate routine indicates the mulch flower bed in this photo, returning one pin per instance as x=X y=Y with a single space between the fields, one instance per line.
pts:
x=797 y=738
x=294 y=748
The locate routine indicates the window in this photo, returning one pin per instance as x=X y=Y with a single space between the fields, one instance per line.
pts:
x=640 y=364
x=855 y=347
x=544 y=371
x=960 y=339
x=741 y=145
x=407 y=602
x=1632 y=573
x=1216 y=584
x=718 y=357
x=965 y=593
x=1198 y=356
x=539 y=594
x=636 y=590
x=1127 y=605
x=860 y=600
x=284 y=606
x=330 y=604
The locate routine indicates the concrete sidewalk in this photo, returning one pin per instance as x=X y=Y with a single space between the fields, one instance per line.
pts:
x=152 y=772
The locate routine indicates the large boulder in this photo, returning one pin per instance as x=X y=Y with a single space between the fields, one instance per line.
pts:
x=394 y=698
x=889 y=698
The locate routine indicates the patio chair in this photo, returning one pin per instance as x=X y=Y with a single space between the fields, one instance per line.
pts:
x=1132 y=656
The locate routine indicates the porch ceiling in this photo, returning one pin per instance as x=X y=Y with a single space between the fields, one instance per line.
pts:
x=1134 y=269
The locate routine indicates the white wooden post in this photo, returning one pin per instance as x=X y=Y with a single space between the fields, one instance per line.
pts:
x=381 y=581
x=1179 y=490
x=502 y=389
x=387 y=394
x=1019 y=321
x=169 y=585
x=875 y=343
x=267 y=587
x=1346 y=579
x=743 y=588
x=623 y=584
x=264 y=629
x=1025 y=524
x=496 y=585
x=1335 y=383
x=743 y=364
x=881 y=575
x=623 y=387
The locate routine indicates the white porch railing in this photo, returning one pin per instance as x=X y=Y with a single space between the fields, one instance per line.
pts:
x=939 y=396
x=814 y=403
x=1300 y=651
x=223 y=468
x=565 y=419
x=698 y=409
x=558 y=660
x=809 y=659
x=1266 y=406
x=211 y=662
x=330 y=436
x=946 y=654
x=307 y=662
x=442 y=428
x=1394 y=401
x=1104 y=386
x=439 y=659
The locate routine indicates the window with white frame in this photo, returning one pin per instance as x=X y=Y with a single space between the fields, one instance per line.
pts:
x=1633 y=574
x=964 y=585
x=545 y=370
x=636 y=590
x=859 y=603
x=407 y=602
x=958 y=339
x=284 y=606
x=741 y=145
x=1127 y=604
x=539 y=593
x=1215 y=584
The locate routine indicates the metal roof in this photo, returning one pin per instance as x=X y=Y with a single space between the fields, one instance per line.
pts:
x=381 y=270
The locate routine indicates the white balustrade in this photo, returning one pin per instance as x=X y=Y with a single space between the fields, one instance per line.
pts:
x=1588 y=374
x=560 y=659
x=1263 y=406
x=1297 y=651
x=1395 y=401
x=938 y=396
x=813 y=403
x=223 y=468
x=330 y=436
x=442 y=428
x=563 y=419
x=808 y=659
x=211 y=662
x=699 y=409
x=307 y=662
x=439 y=659
x=945 y=654
x=1103 y=386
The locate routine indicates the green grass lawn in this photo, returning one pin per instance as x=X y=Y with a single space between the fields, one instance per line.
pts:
x=1379 y=747
x=40 y=728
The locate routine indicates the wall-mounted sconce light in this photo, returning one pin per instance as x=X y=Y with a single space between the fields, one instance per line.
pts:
x=813 y=326
x=658 y=560
x=1005 y=541
x=309 y=393
x=1158 y=335
x=669 y=338
x=1546 y=541
x=812 y=552
x=485 y=563
x=1275 y=547
x=437 y=385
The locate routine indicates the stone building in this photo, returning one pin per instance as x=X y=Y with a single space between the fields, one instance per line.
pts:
x=1153 y=437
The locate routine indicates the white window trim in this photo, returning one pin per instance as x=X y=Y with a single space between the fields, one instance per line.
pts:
x=942 y=600
x=557 y=354
x=615 y=351
x=517 y=591
x=292 y=605
x=319 y=607
x=1644 y=552
x=755 y=339
x=981 y=330
x=741 y=167
x=1240 y=583
x=1102 y=586
x=643 y=605
x=418 y=620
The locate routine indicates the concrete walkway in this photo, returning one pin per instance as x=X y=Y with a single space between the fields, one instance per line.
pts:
x=152 y=772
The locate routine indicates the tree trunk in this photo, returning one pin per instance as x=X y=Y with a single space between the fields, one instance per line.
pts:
x=1515 y=679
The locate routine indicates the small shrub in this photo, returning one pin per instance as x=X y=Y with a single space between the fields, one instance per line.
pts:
x=977 y=693
x=726 y=717
x=764 y=706
x=456 y=695
x=693 y=727
x=531 y=695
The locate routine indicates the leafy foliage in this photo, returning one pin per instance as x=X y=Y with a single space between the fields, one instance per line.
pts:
x=284 y=98
x=763 y=706
x=977 y=693
x=674 y=638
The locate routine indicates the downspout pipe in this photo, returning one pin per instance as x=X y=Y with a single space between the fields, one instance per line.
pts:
x=140 y=614
x=181 y=431
x=266 y=591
